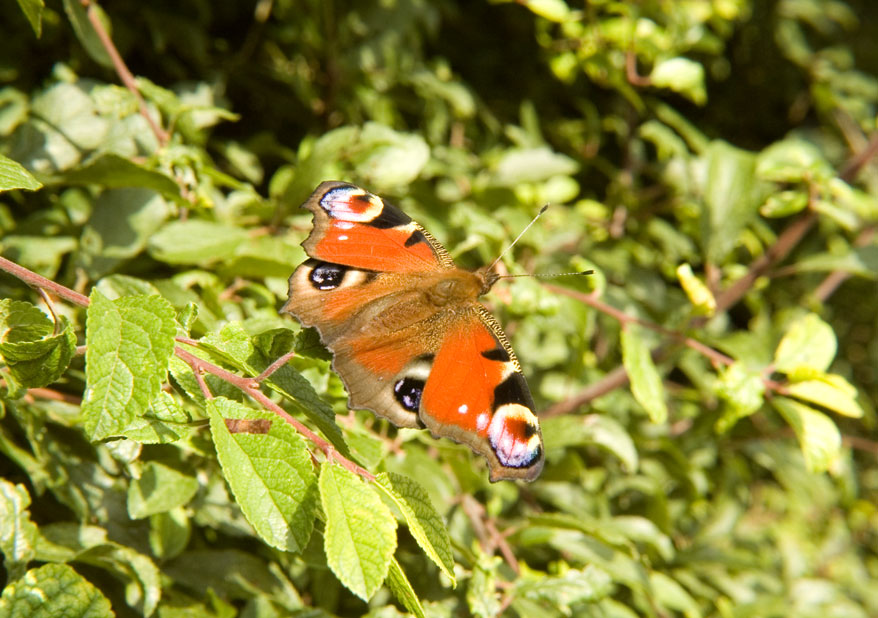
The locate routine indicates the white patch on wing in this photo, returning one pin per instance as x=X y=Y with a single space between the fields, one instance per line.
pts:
x=463 y=409
x=513 y=449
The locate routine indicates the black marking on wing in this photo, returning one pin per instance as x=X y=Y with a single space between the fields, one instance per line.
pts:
x=416 y=237
x=497 y=354
x=326 y=276
x=513 y=390
x=390 y=216
x=407 y=392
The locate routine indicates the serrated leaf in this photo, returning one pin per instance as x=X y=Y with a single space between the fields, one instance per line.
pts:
x=159 y=489
x=235 y=348
x=596 y=429
x=53 y=590
x=129 y=342
x=360 y=536
x=196 y=242
x=270 y=474
x=18 y=534
x=818 y=436
x=830 y=391
x=809 y=344
x=646 y=383
x=13 y=175
x=165 y=422
x=402 y=589
x=424 y=523
x=34 y=356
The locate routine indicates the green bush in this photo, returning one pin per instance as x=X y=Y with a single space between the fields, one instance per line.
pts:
x=706 y=396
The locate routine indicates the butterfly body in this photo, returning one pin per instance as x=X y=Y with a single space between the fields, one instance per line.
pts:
x=409 y=338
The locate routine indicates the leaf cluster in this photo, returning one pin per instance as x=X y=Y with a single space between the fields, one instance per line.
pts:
x=171 y=446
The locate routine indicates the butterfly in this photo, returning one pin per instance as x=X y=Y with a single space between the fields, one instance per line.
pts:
x=409 y=339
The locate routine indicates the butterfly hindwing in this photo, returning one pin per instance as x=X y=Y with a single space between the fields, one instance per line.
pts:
x=477 y=395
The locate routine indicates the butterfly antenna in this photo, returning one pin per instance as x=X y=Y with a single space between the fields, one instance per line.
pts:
x=517 y=238
x=577 y=273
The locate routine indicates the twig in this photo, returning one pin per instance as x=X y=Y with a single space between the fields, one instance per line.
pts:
x=38 y=281
x=280 y=362
x=785 y=243
x=122 y=70
x=250 y=386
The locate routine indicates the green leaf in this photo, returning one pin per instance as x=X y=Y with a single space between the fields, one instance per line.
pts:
x=53 y=590
x=672 y=595
x=159 y=489
x=164 y=422
x=114 y=172
x=196 y=242
x=481 y=591
x=169 y=533
x=13 y=175
x=593 y=429
x=809 y=345
x=830 y=391
x=85 y=32
x=390 y=158
x=793 y=160
x=532 y=165
x=423 y=521
x=119 y=228
x=402 y=589
x=698 y=293
x=270 y=474
x=646 y=383
x=33 y=10
x=681 y=75
x=743 y=389
x=730 y=196
x=818 y=436
x=129 y=342
x=553 y=10
x=784 y=204
x=572 y=587
x=360 y=536
x=33 y=354
x=18 y=534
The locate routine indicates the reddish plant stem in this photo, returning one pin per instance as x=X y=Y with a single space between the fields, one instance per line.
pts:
x=38 y=281
x=280 y=362
x=249 y=385
x=785 y=243
x=122 y=69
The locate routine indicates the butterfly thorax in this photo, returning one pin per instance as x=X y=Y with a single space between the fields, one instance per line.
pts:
x=457 y=286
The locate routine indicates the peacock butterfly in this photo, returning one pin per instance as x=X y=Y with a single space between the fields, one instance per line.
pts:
x=409 y=338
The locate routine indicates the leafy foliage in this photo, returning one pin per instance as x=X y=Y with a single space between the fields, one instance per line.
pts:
x=169 y=445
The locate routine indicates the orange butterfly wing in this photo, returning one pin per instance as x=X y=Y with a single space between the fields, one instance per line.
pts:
x=409 y=339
